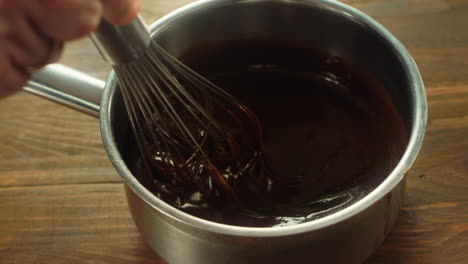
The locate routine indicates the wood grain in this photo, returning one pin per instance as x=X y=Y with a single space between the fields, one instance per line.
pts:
x=62 y=202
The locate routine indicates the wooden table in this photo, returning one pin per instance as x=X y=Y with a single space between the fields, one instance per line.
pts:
x=62 y=202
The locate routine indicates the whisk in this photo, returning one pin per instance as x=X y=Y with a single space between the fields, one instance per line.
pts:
x=199 y=140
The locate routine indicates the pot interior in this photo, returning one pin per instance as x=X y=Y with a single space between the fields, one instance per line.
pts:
x=311 y=25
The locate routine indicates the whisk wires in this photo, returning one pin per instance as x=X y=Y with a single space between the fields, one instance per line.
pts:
x=189 y=130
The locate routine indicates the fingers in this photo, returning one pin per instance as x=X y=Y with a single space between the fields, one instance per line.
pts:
x=13 y=78
x=27 y=46
x=120 y=12
x=19 y=46
x=65 y=20
x=32 y=31
x=69 y=19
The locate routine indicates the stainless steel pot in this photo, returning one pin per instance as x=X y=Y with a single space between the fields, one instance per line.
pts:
x=347 y=236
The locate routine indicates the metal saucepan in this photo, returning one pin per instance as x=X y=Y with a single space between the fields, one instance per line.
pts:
x=347 y=236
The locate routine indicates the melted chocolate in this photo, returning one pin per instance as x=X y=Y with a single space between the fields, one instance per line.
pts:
x=331 y=133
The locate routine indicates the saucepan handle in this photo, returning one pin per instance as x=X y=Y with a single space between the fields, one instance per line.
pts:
x=67 y=86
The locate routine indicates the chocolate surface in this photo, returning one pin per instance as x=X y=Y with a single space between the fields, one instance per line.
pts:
x=330 y=132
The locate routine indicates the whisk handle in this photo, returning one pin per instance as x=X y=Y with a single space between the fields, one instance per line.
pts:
x=121 y=44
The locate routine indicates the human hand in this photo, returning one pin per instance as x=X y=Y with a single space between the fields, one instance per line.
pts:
x=32 y=32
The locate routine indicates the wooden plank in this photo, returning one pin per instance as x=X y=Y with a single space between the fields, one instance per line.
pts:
x=62 y=202
x=77 y=223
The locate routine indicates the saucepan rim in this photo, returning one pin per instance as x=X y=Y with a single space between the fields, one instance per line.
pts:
x=419 y=116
